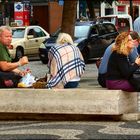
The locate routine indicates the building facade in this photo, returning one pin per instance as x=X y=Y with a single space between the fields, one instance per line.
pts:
x=121 y=7
x=30 y=12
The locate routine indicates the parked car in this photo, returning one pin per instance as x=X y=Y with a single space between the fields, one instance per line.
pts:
x=26 y=40
x=123 y=22
x=46 y=45
x=90 y=37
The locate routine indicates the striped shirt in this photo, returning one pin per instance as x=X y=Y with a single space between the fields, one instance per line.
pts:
x=65 y=63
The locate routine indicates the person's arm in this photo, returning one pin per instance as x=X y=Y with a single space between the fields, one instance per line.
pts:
x=126 y=68
x=133 y=55
x=10 y=66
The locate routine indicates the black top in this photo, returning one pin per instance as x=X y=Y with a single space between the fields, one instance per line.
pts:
x=119 y=67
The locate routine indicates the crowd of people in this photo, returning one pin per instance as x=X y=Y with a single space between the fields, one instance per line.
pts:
x=66 y=65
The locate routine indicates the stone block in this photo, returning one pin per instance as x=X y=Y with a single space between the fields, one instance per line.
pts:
x=68 y=101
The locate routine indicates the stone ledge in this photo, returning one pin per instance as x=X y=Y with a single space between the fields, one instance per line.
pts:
x=68 y=101
x=130 y=117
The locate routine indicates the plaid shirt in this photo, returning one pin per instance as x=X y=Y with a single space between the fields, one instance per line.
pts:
x=65 y=63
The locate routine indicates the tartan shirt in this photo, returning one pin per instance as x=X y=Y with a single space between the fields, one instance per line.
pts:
x=65 y=63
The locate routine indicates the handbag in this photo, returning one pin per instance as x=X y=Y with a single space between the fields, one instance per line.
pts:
x=27 y=81
x=135 y=80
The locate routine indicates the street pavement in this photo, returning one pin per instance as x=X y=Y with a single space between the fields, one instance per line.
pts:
x=69 y=130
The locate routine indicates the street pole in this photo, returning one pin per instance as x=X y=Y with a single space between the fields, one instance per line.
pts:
x=131 y=9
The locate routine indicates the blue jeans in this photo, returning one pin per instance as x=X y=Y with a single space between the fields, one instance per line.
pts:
x=73 y=84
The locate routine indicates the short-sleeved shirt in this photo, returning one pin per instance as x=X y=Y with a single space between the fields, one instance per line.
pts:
x=4 y=54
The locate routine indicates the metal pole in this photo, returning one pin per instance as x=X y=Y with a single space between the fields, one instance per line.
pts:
x=131 y=8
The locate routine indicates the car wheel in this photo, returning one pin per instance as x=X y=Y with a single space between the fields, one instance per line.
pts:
x=44 y=61
x=19 y=53
x=85 y=54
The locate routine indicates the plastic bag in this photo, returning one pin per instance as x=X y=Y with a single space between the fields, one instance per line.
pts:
x=27 y=81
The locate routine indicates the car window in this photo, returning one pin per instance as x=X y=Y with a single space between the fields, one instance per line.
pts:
x=81 y=31
x=31 y=32
x=39 y=32
x=113 y=20
x=18 y=33
x=102 y=29
x=106 y=28
x=109 y=19
x=94 y=30
x=110 y=28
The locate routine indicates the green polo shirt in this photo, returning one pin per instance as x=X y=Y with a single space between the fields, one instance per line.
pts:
x=4 y=54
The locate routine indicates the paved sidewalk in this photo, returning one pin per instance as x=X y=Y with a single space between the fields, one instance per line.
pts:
x=89 y=78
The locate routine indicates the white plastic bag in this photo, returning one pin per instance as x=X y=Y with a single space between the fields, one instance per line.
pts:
x=27 y=80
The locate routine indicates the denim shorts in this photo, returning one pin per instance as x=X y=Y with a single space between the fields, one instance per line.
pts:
x=72 y=84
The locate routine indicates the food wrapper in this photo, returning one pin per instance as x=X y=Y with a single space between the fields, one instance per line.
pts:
x=27 y=81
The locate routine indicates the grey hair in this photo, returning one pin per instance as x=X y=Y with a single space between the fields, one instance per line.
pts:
x=64 y=38
x=3 y=28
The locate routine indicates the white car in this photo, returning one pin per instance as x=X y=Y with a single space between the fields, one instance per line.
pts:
x=123 y=22
x=26 y=40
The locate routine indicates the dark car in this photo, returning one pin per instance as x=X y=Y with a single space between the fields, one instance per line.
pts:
x=46 y=45
x=90 y=37
x=94 y=38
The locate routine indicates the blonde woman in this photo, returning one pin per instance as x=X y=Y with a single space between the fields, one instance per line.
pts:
x=120 y=70
x=66 y=64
